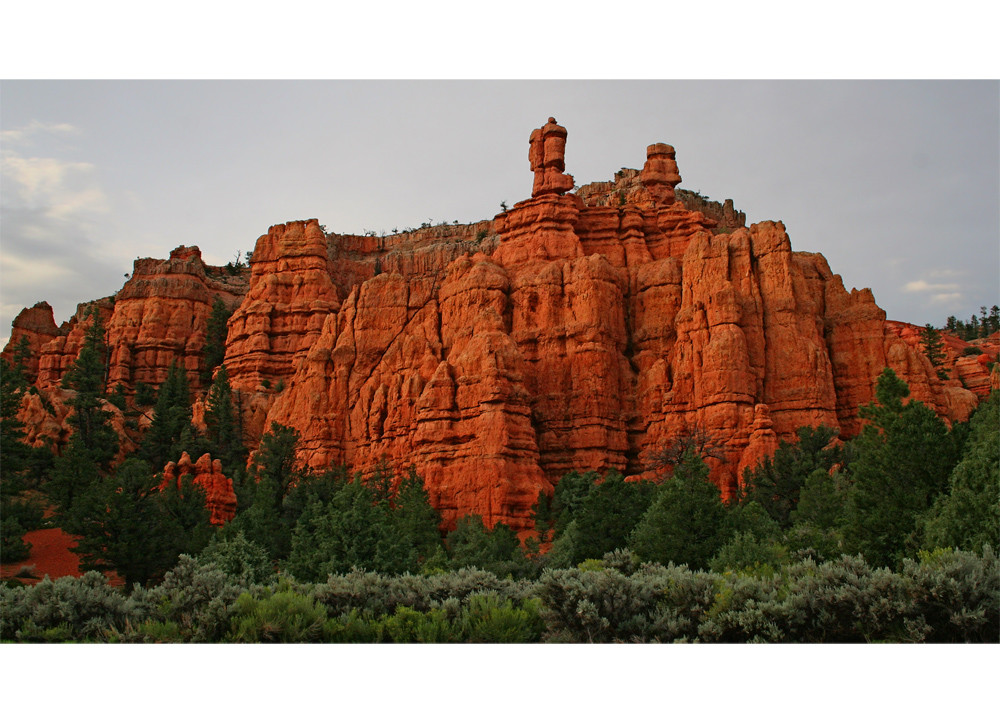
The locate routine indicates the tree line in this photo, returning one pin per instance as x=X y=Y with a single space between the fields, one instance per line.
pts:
x=906 y=486
x=975 y=327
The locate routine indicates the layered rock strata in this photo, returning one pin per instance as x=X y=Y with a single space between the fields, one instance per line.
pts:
x=38 y=326
x=573 y=331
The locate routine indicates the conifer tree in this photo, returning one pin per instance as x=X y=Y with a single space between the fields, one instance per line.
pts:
x=930 y=339
x=473 y=545
x=220 y=420
x=902 y=459
x=127 y=524
x=777 y=481
x=165 y=439
x=93 y=444
x=967 y=516
x=608 y=514
x=15 y=458
x=87 y=378
x=415 y=520
x=215 y=338
x=686 y=522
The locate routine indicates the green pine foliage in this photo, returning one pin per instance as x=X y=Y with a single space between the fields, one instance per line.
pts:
x=93 y=445
x=128 y=525
x=686 y=522
x=222 y=423
x=608 y=514
x=170 y=434
x=360 y=524
x=87 y=378
x=216 y=332
x=472 y=545
x=16 y=514
x=571 y=490
x=776 y=482
x=902 y=460
x=268 y=507
x=975 y=327
x=967 y=516
x=930 y=340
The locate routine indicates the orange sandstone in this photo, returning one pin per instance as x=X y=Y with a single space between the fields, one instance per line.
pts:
x=576 y=330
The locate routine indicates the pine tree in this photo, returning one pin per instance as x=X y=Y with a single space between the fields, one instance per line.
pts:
x=14 y=452
x=416 y=522
x=473 y=545
x=216 y=332
x=902 y=459
x=967 y=516
x=128 y=525
x=93 y=444
x=220 y=420
x=87 y=378
x=930 y=339
x=349 y=531
x=776 y=482
x=608 y=515
x=686 y=523
x=164 y=439
x=15 y=458
x=268 y=509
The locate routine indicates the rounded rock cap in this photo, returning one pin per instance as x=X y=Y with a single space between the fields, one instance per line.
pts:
x=657 y=149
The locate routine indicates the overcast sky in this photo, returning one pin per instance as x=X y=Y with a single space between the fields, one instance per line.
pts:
x=896 y=183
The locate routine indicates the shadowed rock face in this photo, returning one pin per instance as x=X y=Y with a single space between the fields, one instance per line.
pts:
x=38 y=326
x=574 y=331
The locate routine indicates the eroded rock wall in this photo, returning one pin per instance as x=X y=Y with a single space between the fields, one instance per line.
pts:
x=574 y=331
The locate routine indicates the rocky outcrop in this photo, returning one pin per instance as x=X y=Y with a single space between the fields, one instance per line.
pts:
x=966 y=363
x=547 y=156
x=158 y=317
x=37 y=325
x=207 y=474
x=573 y=331
x=58 y=355
x=161 y=316
x=290 y=294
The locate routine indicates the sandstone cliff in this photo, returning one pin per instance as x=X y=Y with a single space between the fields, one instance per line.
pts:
x=573 y=331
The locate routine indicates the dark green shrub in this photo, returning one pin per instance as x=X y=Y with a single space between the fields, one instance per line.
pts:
x=244 y=562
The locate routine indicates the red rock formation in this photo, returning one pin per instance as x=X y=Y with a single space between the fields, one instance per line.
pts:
x=574 y=331
x=59 y=354
x=289 y=296
x=547 y=154
x=660 y=174
x=161 y=315
x=39 y=327
x=762 y=444
x=969 y=371
x=207 y=473
x=158 y=317
x=608 y=330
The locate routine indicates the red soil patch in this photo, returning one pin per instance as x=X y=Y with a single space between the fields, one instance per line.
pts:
x=50 y=556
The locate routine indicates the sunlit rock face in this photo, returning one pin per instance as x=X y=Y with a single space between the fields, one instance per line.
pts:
x=580 y=329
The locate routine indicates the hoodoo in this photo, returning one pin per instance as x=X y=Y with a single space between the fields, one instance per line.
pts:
x=582 y=329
